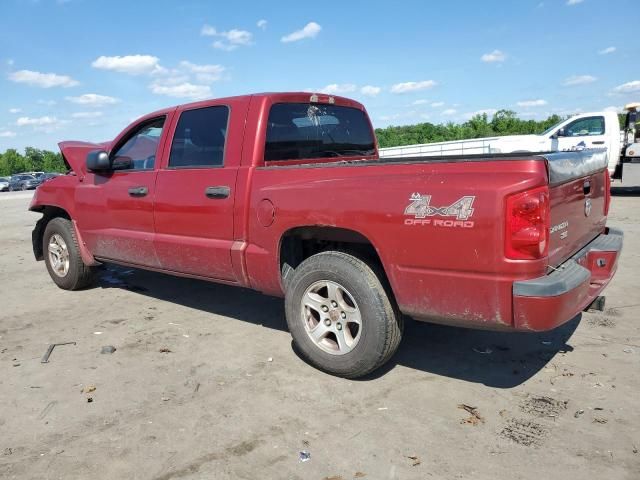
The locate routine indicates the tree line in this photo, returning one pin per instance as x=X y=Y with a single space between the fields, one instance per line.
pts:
x=33 y=160
x=503 y=122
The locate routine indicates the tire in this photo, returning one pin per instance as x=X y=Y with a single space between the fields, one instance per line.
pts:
x=362 y=293
x=76 y=275
x=23 y=187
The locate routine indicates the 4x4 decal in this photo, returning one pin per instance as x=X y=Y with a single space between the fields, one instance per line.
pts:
x=420 y=209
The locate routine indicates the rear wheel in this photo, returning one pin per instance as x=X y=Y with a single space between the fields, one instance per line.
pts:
x=62 y=256
x=341 y=316
x=23 y=187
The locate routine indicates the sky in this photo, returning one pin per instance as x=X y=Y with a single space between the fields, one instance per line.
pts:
x=85 y=69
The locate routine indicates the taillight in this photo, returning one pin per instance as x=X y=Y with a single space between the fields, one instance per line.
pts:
x=527 y=225
x=607 y=192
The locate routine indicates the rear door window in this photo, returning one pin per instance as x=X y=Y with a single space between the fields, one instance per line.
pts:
x=297 y=131
x=199 y=138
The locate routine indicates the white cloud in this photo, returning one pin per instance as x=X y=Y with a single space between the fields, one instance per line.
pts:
x=204 y=73
x=131 y=64
x=437 y=104
x=262 y=24
x=220 y=45
x=370 y=90
x=238 y=37
x=182 y=90
x=532 y=103
x=612 y=109
x=578 y=80
x=49 y=103
x=449 y=111
x=15 y=110
x=42 y=80
x=36 y=122
x=629 y=87
x=231 y=39
x=574 y=2
x=7 y=134
x=86 y=114
x=607 y=51
x=422 y=101
x=173 y=79
x=208 y=31
x=338 y=89
x=407 y=87
x=493 y=57
x=310 y=30
x=93 y=100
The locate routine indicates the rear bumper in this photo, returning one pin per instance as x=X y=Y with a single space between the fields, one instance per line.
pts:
x=546 y=302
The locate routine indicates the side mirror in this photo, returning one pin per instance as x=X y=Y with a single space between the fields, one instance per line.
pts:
x=561 y=133
x=98 y=161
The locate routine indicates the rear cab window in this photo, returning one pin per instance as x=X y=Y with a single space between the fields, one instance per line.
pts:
x=298 y=131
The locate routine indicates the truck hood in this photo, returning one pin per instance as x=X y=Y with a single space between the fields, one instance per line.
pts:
x=74 y=154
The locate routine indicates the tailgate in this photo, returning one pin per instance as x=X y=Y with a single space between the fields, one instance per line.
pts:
x=578 y=193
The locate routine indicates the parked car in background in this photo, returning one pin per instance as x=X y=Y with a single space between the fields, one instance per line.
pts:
x=4 y=184
x=23 y=182
x=33 y=174
x=48 y=176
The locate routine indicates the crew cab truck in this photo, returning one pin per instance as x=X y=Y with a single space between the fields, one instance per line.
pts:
x=284 y=193
x=586 y=130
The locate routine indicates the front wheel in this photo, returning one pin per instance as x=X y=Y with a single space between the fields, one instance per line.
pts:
x=62 y=256
x=341 y=316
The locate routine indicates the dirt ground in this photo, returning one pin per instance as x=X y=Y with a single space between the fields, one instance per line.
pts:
x=205 y=384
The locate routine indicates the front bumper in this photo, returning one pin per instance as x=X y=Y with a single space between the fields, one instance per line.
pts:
x=546 y=302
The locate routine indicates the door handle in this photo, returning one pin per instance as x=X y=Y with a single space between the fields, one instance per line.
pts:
x=138 y=191
x=217 y=192
x=598 y=142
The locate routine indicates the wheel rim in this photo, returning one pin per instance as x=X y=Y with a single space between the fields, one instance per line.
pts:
x=331 y=317
x=58 y=255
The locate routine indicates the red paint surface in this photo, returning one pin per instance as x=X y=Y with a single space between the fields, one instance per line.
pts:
x=440 y=268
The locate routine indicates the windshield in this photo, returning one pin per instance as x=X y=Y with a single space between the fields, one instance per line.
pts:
x=302 y=130
x=552 y=128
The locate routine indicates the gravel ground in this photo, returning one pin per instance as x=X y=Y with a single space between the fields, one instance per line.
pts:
x=204 y=384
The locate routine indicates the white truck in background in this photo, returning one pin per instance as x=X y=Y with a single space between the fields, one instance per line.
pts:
x=586 y=130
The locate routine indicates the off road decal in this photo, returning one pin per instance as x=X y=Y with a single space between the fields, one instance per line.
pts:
x=420 y=209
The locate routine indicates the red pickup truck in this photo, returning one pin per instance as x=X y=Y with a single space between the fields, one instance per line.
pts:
x=284 y=193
